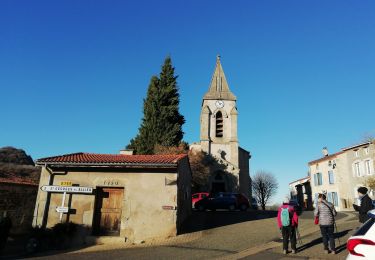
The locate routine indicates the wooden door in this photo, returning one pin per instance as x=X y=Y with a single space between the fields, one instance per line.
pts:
x=108 y=210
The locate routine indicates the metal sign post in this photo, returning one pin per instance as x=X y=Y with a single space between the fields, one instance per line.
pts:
x=65 y=189
x=62 y=205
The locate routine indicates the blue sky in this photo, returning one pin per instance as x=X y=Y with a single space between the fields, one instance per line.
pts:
x=73 y=74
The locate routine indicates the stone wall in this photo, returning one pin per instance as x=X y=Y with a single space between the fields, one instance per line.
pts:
x=18 y=201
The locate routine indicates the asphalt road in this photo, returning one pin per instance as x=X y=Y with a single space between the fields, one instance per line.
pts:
x=221 y=233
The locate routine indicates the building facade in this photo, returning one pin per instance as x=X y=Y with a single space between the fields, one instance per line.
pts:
x=339 y=175
x=218 y=135
x=300 y=191
x=137 y=197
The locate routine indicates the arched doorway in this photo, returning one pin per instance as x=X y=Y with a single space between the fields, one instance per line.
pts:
x=218 y=182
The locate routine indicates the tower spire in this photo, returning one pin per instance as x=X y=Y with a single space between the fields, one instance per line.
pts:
x=219 y=88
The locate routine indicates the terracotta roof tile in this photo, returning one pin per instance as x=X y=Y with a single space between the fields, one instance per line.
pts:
x=112 y=159
x=303 y=179
x=329 y=157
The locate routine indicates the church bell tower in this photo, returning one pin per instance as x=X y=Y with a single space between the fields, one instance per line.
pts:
x=218 y=133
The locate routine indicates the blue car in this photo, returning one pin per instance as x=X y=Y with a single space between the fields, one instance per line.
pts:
x=217 y=201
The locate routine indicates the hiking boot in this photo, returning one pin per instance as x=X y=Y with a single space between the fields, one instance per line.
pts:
x=294 y=251
x=285 y=252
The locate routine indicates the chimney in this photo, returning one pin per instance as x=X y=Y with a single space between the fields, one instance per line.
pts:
x=325 y=151
x=127 y=152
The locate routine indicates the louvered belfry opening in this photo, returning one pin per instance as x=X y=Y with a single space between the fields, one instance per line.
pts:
x=219 y=124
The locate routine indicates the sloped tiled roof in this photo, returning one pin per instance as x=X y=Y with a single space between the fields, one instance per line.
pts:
x=113 y=159
x=329 y=157
x=356 y=146
x=303 y=180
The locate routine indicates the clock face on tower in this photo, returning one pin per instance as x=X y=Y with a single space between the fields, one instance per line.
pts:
x=219 y=103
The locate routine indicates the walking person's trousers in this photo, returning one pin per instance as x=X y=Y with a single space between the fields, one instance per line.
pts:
x=289 y=233
x=327 y=235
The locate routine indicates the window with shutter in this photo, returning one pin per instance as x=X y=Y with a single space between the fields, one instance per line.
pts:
x=219 y=124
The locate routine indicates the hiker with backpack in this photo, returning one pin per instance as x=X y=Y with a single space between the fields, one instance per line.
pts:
x=325 y=214
x=287 y=220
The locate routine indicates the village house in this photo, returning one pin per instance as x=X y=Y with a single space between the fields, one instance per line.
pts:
x=340 y=174
x=136 y=197
x=300 y=191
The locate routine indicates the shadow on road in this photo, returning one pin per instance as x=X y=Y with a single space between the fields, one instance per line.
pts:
x=200 y=221
x=341 y=247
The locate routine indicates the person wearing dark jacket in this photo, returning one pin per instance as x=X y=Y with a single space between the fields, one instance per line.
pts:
x=366 y=204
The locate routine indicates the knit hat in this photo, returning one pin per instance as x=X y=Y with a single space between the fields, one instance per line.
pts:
x=362 y=190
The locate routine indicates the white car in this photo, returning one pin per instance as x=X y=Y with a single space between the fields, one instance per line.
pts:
x=362 y=244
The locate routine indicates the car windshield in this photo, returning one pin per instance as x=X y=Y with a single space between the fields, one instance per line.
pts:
x=365 y=227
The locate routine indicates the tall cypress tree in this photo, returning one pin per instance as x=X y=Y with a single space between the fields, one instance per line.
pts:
x=162 y=121
x=143 y=143
x=171 y=121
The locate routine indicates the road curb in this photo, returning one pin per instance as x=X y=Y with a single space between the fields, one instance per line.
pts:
x=106 y=244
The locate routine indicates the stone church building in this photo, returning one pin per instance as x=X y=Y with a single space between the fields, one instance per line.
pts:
x=218 y=136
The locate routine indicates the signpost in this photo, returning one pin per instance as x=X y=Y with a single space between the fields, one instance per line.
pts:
x=61 y=209
x=65 y=189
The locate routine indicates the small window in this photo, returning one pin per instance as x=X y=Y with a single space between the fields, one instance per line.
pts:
x=335 y=199
x=318 y=179
x=356 y=153
x=367 y=150
x=332 y=197
x=329 y=197
x=331 y=177
x=368 y=167
x=219 y=124
x=357 y=169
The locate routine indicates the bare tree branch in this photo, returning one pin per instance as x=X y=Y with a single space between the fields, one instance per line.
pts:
x=264 y=186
